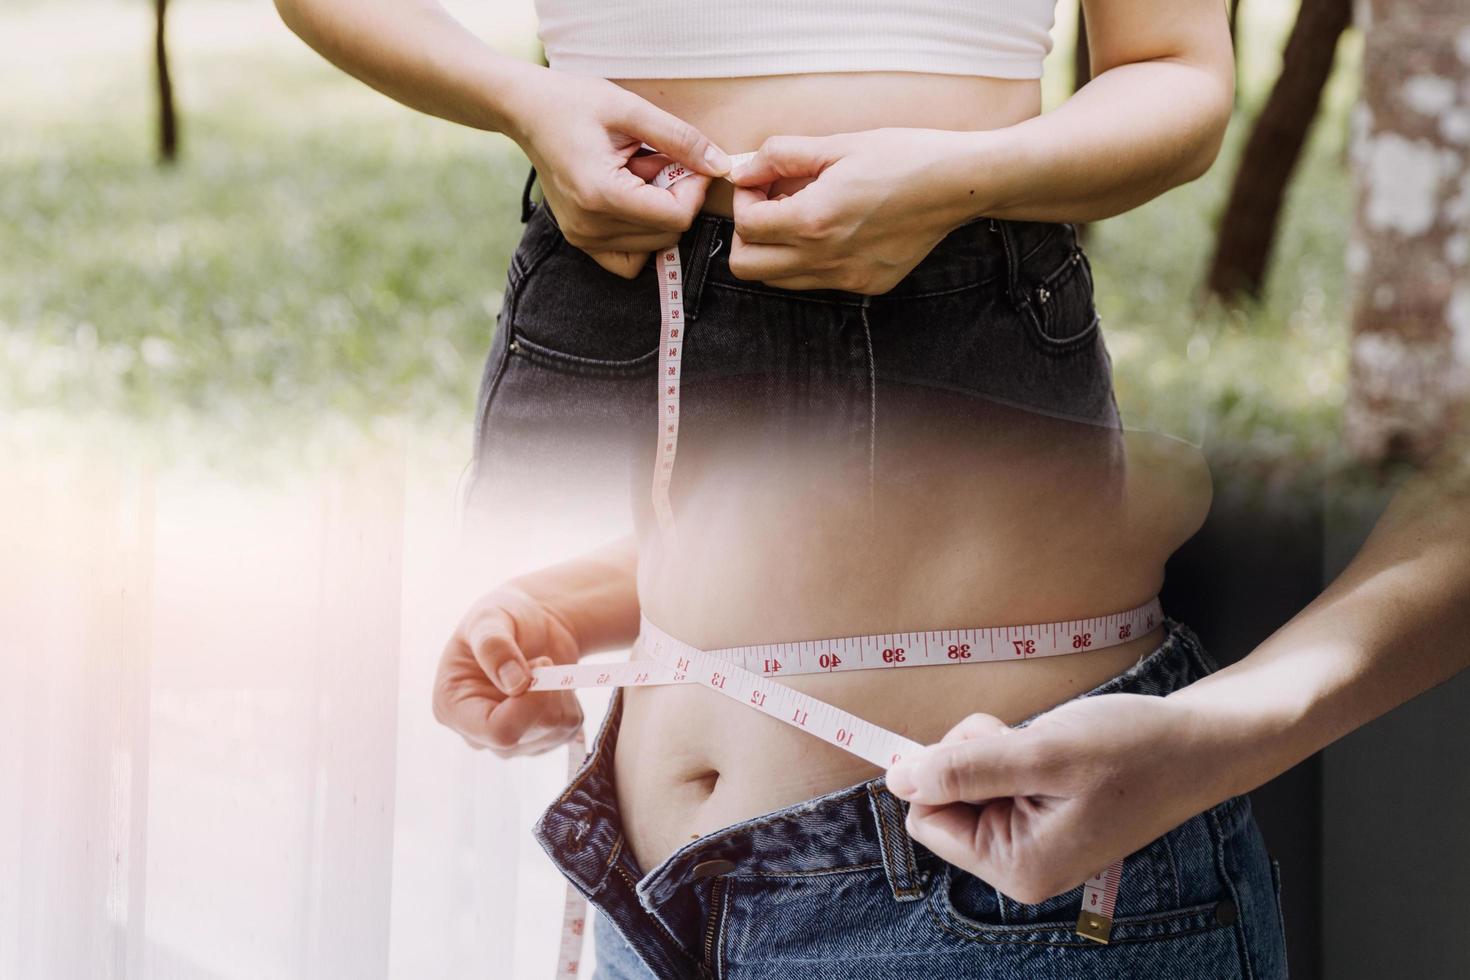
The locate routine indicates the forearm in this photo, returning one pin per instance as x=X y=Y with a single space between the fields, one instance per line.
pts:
x=1125 y=137
x=1393 y=625
x=418 y=54
x=595 y=595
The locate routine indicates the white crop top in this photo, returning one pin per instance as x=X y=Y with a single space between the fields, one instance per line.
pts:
x=724 y=38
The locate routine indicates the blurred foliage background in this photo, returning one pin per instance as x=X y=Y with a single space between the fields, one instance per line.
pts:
x=320 y=252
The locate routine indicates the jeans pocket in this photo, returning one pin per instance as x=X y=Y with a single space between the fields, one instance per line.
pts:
x=967 y=907
x=1056 y=286
x=1168 y=887
x=567 y=312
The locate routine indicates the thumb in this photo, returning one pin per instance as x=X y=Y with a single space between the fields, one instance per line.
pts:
x=787 y=156
x=673 y=137
x=983 y=767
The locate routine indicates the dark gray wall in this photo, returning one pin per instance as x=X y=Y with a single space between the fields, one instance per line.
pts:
x=1252 y=567
x=1396 y=803
x=1373 y=834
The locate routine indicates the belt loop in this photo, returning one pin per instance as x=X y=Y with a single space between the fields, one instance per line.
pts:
x=1008 y=243
x=526 y=206
x=895 y=844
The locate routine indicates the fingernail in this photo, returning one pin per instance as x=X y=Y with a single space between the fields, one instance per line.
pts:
x=512 y=676
x=718 y=160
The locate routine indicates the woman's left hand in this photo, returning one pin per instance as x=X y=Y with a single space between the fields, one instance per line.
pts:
x=854 y=211
x=1035 y=811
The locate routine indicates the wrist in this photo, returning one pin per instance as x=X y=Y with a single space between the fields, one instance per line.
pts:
x=975 y=174
x=594 y=597
x=1240 y=738
x=511 y=98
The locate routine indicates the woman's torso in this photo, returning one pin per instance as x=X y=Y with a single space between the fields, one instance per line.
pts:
x=970 y=527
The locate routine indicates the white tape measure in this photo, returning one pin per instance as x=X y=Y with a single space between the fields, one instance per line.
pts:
x=748 y=674
x=671 y=352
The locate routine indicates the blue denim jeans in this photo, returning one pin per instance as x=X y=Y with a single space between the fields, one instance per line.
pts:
x=833 y=887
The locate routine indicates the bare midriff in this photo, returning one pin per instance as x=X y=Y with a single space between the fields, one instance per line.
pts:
x=1004 y=534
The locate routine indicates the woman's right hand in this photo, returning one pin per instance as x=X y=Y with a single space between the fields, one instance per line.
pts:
x=481 y=687
x=580 y=134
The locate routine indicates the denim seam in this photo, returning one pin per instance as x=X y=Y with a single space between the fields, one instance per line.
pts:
x=674 y=943
x=490 y=385
x=528 y=267
x=1242 y=948
x=577 y=364
x=505 y=318
x=994 y=939
x=1053 y=228
x=1011 y=935
x=717 y=284
x=946 y=291
x=1012 y=265
x=1169 y=864
x=875 y=297
x=813 y=873
x=1065 y=345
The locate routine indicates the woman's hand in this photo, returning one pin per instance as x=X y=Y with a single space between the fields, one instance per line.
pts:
x=854 y=211
x=1035 y=811
x=580 y=134
x=480 y=689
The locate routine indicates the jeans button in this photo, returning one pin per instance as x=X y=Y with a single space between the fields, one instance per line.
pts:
x=1225 y=912
x=709 y=869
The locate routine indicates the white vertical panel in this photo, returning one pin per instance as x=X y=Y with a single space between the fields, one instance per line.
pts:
x=354 y=738
x=74 y=600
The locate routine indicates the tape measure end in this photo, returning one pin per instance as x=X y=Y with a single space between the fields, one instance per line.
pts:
x=1097 y=928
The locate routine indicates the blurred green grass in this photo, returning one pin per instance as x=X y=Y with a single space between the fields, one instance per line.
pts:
x=321 y=252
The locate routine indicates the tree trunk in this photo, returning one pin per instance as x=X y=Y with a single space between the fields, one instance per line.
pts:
x=1081 y=75
x=168 y=119
x=1248 y=228
x=1410 y=249
x=1081 y=54
x=1235 y=42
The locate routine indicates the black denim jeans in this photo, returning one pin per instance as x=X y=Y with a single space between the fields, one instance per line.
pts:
x=995 y=325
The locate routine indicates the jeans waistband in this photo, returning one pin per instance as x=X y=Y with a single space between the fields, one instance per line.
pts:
x=855 y=828
x=755 y=847
x=982 y=252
